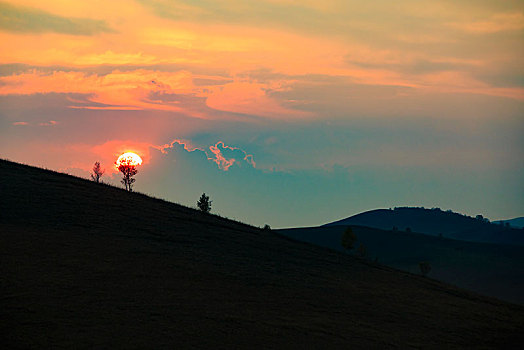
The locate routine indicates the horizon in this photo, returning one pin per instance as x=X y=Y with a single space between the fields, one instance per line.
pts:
x=285 y=113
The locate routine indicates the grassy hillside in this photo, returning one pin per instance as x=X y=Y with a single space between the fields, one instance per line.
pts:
x=490 y=269
x=436 y=222
x=87 y=265
x=516 y=222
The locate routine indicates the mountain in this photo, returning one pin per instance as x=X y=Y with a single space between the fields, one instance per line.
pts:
x=516 y=222
x=486 y=268
x=89 y=265
x=436 y=222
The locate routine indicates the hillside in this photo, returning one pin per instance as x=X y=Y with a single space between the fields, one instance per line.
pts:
x=516 y=222
x=436 y=222
x=490 y=269
x=88 y=265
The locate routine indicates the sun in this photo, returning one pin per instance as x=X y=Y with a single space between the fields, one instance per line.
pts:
x=130 y=158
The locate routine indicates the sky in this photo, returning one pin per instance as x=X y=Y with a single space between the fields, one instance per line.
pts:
x=285 y=112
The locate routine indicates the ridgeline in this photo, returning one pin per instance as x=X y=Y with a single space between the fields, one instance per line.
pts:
x=90 y=265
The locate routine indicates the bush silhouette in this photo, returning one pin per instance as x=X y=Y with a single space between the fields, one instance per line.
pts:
x=348 y=239
x=204 y=204
x=425 y=267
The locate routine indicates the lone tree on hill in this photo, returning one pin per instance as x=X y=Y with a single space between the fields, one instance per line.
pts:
x=128 y=168
x=348 y=239
x=425 y=267
x=97 y=172
x=204 y=204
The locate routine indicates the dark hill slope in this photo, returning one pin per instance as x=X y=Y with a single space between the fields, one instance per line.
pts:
x=87 y=265
x=516 y=222
x=491 y=269
x=435 y=222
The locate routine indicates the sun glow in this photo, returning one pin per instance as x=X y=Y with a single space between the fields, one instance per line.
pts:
x=129 y=158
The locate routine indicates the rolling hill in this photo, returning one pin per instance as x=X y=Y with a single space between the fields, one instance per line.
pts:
x=436 y=222
x=516 y=222
x=86 y=265
x=491 y=269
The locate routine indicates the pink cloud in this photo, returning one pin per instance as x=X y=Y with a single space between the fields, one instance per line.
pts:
x=251 y=98
x=21 y=123
x=49 y=123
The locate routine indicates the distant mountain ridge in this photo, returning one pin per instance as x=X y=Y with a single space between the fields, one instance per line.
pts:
x=515 y=223
x=436 y=222
x=490 y=269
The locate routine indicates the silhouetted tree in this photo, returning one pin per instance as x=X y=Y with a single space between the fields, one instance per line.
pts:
x=267 y=227
x=348 y=239
x=128 y=169
x=97 y=172
x=204 y=204
x=425 y=267
x=408 y=229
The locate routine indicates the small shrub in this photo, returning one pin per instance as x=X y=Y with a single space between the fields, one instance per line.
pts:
x=267 y=227
x=204 y=204
x=348 y=239
x=425 y=267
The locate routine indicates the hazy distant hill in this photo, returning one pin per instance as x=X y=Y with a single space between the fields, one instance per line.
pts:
x=516 y=222
x=487 y=268
x=436 y=222
x=85 y=265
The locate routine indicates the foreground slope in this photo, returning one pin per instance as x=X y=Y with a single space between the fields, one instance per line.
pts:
x=436 y=222
x=86 y=265
x=491 y=269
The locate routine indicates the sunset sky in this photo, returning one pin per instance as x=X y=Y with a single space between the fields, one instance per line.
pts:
x=285 y=112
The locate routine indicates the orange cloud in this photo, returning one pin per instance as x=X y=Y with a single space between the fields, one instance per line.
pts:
x=496 y=23
x=251 y=99
x=117 y=90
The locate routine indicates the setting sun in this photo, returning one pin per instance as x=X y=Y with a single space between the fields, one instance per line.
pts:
x=132 y=158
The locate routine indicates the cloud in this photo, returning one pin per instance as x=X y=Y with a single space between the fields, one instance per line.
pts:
x=500 y=22
x=220 y=159
x=252 y=98
x=21 y=19
x=144 y=89
x=217 y=153
x=118 y=90
x=186 y=144
x=49 y=123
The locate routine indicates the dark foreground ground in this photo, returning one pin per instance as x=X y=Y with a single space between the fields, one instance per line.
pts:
x=85 y=265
